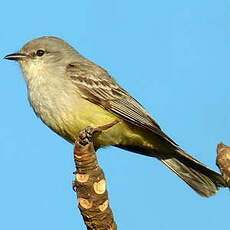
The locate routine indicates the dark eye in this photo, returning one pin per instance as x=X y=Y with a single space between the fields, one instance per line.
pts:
x=40 y=52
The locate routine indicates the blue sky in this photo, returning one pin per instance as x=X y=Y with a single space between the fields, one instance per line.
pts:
x=173 y=56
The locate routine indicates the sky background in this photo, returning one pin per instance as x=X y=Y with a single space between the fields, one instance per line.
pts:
x=173 y=56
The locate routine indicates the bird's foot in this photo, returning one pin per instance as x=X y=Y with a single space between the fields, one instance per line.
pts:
x=86 y=135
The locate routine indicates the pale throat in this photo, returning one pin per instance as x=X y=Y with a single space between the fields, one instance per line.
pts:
x=55 y=105
x=36 y=70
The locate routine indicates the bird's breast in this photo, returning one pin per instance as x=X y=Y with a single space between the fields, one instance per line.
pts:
x=60 y=107
x=57 y=106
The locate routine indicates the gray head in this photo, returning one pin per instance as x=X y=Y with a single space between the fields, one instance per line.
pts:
x=46 y=48
x=44 y=52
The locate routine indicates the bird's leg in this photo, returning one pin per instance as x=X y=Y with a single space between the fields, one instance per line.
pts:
x=86 y=135
x=105 y=127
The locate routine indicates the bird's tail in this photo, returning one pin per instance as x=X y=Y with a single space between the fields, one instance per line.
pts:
x=200 y=178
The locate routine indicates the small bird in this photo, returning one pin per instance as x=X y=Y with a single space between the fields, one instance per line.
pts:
x=69 y=93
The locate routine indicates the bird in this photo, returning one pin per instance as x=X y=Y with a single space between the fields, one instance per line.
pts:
x=69 y=93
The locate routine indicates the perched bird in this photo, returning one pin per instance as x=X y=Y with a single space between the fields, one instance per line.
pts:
x=69 y=92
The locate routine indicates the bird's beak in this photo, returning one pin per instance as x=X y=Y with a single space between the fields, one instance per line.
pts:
x=16 y=56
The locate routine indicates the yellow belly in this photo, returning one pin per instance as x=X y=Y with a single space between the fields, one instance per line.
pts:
x=69 y=113
x=69 y=124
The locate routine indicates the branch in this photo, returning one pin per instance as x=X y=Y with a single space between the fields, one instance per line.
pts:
x=223 y=161
x=90 y=185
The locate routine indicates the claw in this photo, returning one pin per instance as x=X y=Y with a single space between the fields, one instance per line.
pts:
x=86 y=135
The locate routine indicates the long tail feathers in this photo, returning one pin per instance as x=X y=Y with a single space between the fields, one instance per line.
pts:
x=200 y=178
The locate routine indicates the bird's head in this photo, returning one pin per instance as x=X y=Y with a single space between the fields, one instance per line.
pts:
x=39 y=56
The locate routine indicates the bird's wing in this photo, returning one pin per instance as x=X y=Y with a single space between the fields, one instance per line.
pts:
x=96 y=85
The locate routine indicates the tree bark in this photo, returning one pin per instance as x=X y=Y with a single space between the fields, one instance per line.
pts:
x=223 y=161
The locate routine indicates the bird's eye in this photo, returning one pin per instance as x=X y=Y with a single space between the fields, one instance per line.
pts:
x=40 y=53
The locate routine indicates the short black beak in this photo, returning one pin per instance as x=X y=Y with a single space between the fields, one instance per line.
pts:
x=15 y=56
